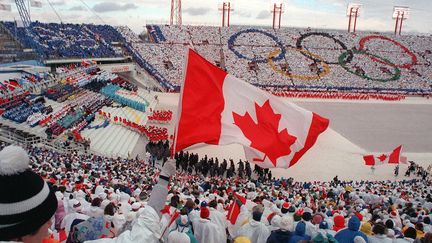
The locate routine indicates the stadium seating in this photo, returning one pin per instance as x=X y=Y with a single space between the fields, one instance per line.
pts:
x=53 y=40
x=21 y=112
x=291 y=58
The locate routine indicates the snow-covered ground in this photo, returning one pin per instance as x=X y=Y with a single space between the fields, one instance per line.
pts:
x=382 y=124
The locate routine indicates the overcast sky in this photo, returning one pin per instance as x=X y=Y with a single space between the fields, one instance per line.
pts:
x=376 y=14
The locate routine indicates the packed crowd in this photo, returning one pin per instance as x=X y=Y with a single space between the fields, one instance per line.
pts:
x=339 y=95
x=25 y=82
x=125 y=200
x=79 y=91
x=161 y=116
x=335 y=60
x=54 y=40
x=75 y=115
x=323 y=59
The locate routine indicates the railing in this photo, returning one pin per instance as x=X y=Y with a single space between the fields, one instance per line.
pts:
x=14 y=135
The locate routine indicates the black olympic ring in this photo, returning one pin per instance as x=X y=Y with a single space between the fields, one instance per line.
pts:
x=344 y=47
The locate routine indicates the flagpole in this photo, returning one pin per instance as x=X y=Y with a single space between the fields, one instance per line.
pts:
x=179 y=104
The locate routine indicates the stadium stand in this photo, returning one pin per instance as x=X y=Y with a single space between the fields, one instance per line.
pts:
x=293 y=58
x=53 y=40
x=11 y=50
x=289 y=58
x=72 y=103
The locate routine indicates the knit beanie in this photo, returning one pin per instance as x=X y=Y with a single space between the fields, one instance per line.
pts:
x=297 y=217
x=307 y=216
x=410 y=233
x=285 y=207
x=323 y=225
x=366 y=228
x=204 y=213
x=27 y=202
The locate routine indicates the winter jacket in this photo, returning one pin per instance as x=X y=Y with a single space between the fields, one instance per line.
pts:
x=347 y=235
x=404 y=240
x=206 y=231
x=279 y=236
x=257 y=232
x=219 y=219
x=379 y=239
x=300 y=233
x=147 y=227
x=324 y=238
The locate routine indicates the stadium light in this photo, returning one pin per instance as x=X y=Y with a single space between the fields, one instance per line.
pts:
x=400 y=13
x=353 y=10
x=277 y=11
x=226 y=7
x=176 y=14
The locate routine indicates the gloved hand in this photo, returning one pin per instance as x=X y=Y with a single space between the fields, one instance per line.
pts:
x=169 y=168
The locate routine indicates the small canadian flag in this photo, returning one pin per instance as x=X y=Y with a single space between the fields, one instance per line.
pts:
x=392 y=158
x=218 y=108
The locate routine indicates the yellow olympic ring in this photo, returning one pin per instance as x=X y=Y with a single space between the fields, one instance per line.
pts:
x=325 y=72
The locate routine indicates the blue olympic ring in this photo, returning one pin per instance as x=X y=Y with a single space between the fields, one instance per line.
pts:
x=233 y=38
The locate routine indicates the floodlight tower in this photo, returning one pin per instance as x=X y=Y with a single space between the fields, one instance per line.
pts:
x=277 y=13
x=400 y=13
x=176 y=15
x=226 y=13
x=353 y=11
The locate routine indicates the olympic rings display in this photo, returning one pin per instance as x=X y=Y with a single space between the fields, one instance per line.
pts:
x=344 y=47
x=396 y=74
x=406 y=50
x=232 y=39
x=326 y=67
x=344 y=58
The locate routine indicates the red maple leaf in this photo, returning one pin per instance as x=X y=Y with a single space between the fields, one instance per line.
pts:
x=264 y=134
x=382 y=157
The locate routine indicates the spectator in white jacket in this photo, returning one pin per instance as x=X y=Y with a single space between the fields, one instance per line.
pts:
x=255 y=230
x=147 y=227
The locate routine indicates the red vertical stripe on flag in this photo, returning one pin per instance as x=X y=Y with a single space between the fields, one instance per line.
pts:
x=369 y=159
x=234 y=209
x=317 y=126
x=395 y=155
x=202 y=103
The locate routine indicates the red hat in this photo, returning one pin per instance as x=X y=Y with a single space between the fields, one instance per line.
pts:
x=205 y=213
x=339 y=223
x=300 y=211
x=285 y=205
x=359 y=216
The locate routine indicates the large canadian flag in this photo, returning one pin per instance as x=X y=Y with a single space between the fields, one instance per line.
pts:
x=218 y=108
x=393 y=157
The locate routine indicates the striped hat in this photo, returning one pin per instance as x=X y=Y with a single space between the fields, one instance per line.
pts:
x=26 y=201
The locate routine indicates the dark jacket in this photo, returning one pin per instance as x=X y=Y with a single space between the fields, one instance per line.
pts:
x=300 y=233
x=347 y=235
x=279 y=236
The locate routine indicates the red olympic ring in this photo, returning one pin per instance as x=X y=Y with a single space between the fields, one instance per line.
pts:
x=406 y=50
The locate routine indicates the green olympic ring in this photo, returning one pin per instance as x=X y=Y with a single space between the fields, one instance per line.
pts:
x=342 y=62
